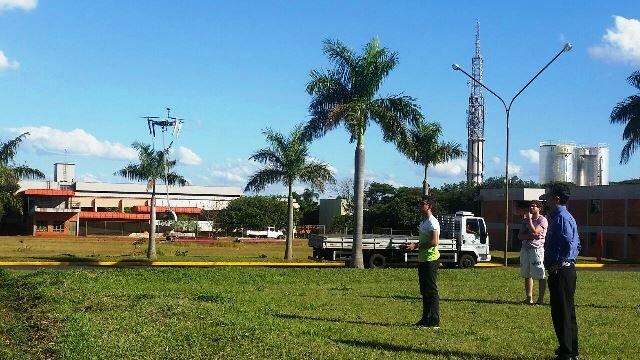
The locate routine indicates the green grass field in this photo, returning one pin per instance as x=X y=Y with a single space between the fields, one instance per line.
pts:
x=31 y=248
x=249 y=313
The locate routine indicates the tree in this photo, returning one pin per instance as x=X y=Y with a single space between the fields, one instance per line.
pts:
x=253 y=212
x=628 y=112
x=461 y=196
x=309 y=207
x=287 y=162
x=514 y=182
x=10 y=174
x=423 y=147
x=347 y=95
x=154 y=165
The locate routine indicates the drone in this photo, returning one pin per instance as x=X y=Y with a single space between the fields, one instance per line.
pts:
x=154 y=122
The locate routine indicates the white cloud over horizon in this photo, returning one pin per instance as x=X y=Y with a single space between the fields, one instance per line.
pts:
x=533 y=156
x=186 y=156
x=620 y=43
x=44 y=139
x=6 y=64
x=450 y=169
x=18 y=4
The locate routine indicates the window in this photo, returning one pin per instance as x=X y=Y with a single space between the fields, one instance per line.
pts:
x=58 y=226
x=41 y=226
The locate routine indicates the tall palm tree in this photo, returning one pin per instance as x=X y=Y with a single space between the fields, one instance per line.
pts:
x=10 y=174
x=153 y=166
x=287 y=162
x=347 y=94
x=423 y=147
x=628 y=112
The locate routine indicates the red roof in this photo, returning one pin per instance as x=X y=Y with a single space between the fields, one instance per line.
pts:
x=109 y=215
x=178 y=210
x=49 y=192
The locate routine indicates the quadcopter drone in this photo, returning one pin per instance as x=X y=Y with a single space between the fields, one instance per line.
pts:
x=164 y=124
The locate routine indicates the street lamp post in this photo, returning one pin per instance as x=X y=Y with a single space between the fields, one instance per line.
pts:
x=507 y=108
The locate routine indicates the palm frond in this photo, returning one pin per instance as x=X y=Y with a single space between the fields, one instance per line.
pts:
x=634 y=79
x=8 y=149
x=263 y=178
x=626 y=110
x=25 y=172
x=266 y=156
x=133 y=172
x=317 y=174
x=176 y=179
x=343 y=57
x=394 y=114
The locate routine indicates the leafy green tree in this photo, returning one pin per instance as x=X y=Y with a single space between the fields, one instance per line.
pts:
x=253 y=212
x=461 y=196
x=154 y=166
x=514 y=182
x=347 y=95
x=378 y=193
x=628 y=112
x=10 y=174
x=309 y=207
x=287 y=162
x=423 y=147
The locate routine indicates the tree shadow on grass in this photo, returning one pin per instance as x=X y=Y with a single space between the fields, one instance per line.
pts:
x=335 y=320
x=492 y=301
x=447 y=353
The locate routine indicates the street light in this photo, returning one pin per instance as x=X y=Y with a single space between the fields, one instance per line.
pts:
x=507 y=108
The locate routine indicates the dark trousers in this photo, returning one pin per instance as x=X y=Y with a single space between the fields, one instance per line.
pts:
x=562 y=287
x=427 y=277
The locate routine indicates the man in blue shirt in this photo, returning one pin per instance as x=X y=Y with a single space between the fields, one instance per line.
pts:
x=560 y=252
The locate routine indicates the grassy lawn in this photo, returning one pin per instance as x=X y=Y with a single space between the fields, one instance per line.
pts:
x=31 y=248
x=240 y=313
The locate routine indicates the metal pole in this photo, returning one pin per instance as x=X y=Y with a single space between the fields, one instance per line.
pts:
x=566 y=48
x=506 y=193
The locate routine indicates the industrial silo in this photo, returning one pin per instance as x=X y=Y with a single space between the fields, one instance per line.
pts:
x=556 y=162
x=597 y=165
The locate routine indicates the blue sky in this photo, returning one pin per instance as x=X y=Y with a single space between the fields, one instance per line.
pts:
x=79 y=75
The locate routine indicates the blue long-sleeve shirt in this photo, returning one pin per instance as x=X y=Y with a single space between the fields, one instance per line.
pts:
x=562 y=243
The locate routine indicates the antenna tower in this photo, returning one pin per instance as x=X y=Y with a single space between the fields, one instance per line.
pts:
x=475 y=118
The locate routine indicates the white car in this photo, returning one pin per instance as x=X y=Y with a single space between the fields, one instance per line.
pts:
x=270 y=233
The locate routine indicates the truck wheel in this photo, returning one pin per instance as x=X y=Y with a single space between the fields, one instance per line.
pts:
x=467 y=261
x=281 y=237
x=377 y=261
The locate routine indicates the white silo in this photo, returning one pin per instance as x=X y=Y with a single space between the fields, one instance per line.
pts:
x=556 y=162
x=598 y=165
x=581 y=153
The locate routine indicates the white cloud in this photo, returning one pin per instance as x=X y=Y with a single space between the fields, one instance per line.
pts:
x=6 y=64
x=88 y=177
x=530 y=154
x=18 y=4
x=621 y=43
x=514 y=170
x=496 y=160
x=45 y=139
x=186 y=156
x=450 y=169
x=232 y=172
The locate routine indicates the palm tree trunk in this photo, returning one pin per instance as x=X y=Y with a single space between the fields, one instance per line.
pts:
x=357 y=260
x=151 y=248
x=425 y=184
x=288 y=254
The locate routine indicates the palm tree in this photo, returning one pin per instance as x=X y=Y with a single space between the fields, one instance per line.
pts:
x=8 y=152
x=154 y=166
x=287 y=161
x=423 y=147
x=628 y=111
x=347 y=94
x=10 y=174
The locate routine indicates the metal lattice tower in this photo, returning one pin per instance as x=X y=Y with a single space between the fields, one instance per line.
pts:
x=475 y=119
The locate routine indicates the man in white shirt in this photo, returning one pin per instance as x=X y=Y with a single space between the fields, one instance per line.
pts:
x=429 y=262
